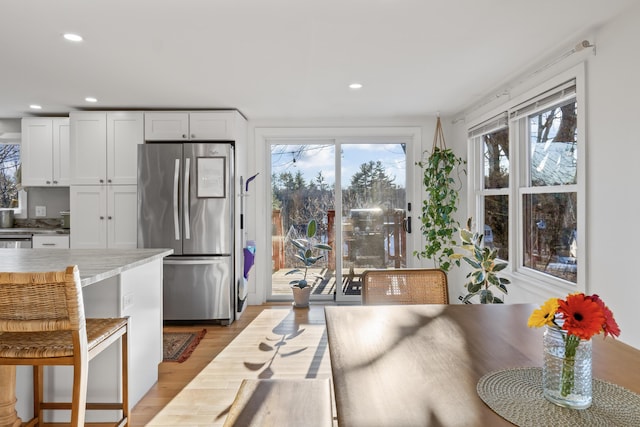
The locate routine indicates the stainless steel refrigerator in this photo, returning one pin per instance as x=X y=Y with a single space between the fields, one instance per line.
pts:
x=185 y=202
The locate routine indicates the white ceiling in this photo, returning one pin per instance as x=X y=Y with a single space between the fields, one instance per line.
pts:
x=280 y=58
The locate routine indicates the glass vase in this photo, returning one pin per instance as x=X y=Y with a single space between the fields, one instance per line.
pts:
x=566 y=371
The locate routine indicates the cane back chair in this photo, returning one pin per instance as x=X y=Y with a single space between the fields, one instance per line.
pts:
x=404 y=286
x=42 y=323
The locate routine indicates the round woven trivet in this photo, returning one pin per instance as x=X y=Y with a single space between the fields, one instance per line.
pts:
x=516 y=395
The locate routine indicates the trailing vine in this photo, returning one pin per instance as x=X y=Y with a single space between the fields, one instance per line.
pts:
x=439 y=226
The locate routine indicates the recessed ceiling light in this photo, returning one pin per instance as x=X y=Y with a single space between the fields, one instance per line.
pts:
x=355 y=86
x=90 y=99
x=35 y=107
x=72 y=37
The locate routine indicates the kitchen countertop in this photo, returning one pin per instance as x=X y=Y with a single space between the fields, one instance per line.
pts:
x=94 y=264
x=34 y=230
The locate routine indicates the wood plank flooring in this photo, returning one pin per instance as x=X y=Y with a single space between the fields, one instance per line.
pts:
x=269 y=341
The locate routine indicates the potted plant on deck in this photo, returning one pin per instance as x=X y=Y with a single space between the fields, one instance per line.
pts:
x=307 y=255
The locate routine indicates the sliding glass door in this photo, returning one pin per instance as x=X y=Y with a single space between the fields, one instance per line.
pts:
x=356 y=191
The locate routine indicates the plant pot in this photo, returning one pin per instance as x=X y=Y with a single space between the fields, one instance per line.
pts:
x=301 y=296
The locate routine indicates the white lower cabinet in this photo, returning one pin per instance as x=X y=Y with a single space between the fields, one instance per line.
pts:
x=50 y=241
x=104 y=216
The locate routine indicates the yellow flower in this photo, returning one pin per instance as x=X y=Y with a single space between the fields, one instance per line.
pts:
x=544 y=315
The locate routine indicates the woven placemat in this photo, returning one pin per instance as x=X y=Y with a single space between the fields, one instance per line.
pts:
x=516 y=395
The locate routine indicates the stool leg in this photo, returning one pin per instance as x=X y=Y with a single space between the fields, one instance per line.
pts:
x=38 y=393
x=125 y=376
x=79 y=393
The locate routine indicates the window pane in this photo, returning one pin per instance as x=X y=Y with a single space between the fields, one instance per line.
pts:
x=553 y=145
x=495 y=150
x=302 y=188
x=496 y=224
x=550 y=238
x=9 y=175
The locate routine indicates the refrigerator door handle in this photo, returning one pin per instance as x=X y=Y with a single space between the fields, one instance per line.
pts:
x=176 y=181
x=186 y=195
x=194 y=261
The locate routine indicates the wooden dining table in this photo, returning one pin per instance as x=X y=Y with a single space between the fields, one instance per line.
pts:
x=419 y=365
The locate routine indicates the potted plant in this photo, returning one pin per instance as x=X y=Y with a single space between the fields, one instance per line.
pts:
x=485 y=267
x=438 y=223
x=306 y=253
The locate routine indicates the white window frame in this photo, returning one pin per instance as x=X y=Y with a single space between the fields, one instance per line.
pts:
x=516 y=270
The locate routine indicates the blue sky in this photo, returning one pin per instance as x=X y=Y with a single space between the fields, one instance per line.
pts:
x=320 y=157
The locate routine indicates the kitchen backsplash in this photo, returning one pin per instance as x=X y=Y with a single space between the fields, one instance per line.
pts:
x=54 y=199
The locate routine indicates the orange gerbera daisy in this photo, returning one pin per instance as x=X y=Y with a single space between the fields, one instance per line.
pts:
x=610 y=326
x=583 y=317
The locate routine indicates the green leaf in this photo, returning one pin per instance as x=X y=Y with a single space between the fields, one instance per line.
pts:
x=312 y=227
x=299 y=243
x=323 y=247
x=474 y=287
x=465 y=235
x=472 y=262
x=499 y=266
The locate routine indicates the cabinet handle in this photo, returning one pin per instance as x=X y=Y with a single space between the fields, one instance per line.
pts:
x=55 y=182
x=102 y=181
x=109 y=217
x=109 y=181
x=48 y=182
x=184 y=136
x=193 y=136
x=48 y=244
x=101 y=217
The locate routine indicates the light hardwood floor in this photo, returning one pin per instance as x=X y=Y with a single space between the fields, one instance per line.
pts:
x=269 y=341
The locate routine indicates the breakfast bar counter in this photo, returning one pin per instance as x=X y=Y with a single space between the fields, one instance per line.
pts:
x=115 y=283
x=95 y=265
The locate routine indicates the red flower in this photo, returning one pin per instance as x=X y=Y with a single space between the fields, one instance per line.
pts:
x=610 y=326
x=583 y=317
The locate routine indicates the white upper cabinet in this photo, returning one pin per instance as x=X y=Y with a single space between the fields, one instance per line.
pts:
x=104 y=147
x=124 y=132
x=191 y=126
x=166 y=126
x=45 y=152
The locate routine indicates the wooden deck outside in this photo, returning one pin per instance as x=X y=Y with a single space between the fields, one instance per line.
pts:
x=326 y=285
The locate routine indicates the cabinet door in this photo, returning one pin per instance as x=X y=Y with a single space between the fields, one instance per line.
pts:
x=161 y=126
x=212 y=126
x=60 y=150
x=125 y=130
x=122 y=216
x=36 y=152
x=89 y=219
x=88 y=148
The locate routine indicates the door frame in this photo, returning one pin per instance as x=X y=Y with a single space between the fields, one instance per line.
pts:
x=260 y=205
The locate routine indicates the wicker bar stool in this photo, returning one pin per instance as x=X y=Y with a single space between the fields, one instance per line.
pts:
x=405 y=286
x=42 y=323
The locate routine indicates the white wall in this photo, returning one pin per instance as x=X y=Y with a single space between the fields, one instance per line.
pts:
x=612 y=153
x=613 y=148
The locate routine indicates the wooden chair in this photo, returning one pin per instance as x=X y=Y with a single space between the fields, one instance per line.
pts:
x=42 y=323
x=404 y=286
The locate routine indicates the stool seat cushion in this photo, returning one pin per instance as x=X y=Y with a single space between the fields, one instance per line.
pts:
x=38 y=345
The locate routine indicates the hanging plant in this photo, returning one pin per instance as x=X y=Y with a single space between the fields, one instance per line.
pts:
x=441 y=180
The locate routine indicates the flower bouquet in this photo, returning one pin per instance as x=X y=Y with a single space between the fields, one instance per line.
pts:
x=576 y=320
